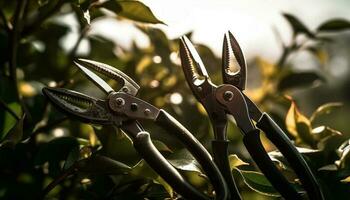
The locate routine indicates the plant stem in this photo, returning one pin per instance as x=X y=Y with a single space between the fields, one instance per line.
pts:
x=6 y=23
x=71 y=170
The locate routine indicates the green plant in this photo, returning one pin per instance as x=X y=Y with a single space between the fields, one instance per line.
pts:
x=43 y=154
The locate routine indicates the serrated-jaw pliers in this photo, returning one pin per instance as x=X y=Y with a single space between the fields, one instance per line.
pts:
x=229 y=99
x=124 y=110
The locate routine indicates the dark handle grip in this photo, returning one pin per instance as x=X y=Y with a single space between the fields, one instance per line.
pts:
x=170 y=124
x=221 y=158
x=275 y=134
x=263 y=161
x=144 y=146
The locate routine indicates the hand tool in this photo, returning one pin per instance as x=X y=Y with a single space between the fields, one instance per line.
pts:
x=124 y=110
x=229 y=99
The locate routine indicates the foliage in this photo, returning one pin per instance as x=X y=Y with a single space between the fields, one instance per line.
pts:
x=45 y=155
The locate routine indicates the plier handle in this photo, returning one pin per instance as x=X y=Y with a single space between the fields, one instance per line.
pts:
x=229 y=99
x=124 y=110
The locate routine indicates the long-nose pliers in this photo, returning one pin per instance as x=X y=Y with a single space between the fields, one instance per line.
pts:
x=229 y=99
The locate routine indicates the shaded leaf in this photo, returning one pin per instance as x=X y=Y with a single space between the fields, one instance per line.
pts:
x=258 y=182
x=161 y=146
x=297 y=25
x=183 y=160
x=15 y=134
x=98 y=164
x=116 y=145
x=112 y=5
x=334 y=25
x=56 y=150
x=325 y=109
x=137 y=11
x=299 y=79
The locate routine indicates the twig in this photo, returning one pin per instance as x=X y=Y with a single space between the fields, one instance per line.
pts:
x=3 y=18
x=41 y=18
x=71 y=170
x=8 y=109
x=48 y=126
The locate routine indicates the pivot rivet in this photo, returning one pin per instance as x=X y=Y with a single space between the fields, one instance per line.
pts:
x=134 y=106
x=228 y=95
x=147 y=112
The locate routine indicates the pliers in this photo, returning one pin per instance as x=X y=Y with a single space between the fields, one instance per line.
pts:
x=229 y=99
x=124 y=110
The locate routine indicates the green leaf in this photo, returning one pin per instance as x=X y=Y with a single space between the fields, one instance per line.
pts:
x=258 y=182
x=183 y=160
x=116 y=145
x=321 y=132
x=161 y=146
x=235 y=161
x=325 y=109
x=137 y=11
x=56 y=150
x=299 y=79
x=334 y=25
x=112 y=5
x=15 y=134
x=7 y=120
x=98 y=164
x=297 y=25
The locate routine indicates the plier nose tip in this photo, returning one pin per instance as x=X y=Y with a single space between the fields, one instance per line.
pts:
x=234 y=69
x=193 y=67
x=128 y=84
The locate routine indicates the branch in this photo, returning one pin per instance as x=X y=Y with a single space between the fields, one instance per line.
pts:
x=40 y=18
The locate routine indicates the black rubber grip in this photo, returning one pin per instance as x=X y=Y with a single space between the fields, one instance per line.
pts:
x=144 y=146
x=263 y=161
x=221 y=159
x=172 y=126
x=275 y=134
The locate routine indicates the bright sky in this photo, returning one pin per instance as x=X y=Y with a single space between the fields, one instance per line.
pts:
x=251 y=21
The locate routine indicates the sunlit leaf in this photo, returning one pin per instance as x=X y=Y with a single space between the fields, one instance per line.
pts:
x=8 y=120
x=299 y=79
x=324 y=131
x=235 y=161
x=137 y=11
x=334 y=25
x=345 y=180
x=330 y=167
x=297 y=25
x=293 y=117
x=325 y=109
x=267 y=69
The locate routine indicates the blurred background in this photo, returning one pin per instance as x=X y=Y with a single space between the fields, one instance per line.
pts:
x=297 y=56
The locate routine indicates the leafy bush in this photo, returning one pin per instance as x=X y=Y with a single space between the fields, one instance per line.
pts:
x=43 y=154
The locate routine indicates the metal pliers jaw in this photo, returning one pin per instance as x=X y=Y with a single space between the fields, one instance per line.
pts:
x=228 y=98
x=123 y=109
